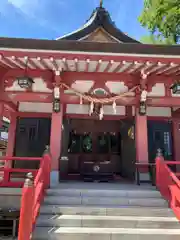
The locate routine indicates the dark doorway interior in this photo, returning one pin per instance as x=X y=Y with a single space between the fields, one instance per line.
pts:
x=32 y=135
x=94 y=141
x=160 y=136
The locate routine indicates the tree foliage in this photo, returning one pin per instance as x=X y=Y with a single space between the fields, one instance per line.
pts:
x=162 y=17
x=153 y=39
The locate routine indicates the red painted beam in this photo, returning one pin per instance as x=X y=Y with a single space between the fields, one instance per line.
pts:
x=33 y=115
x=76 y=63
x=32 y=63
x=7 y=61
x=116 y=70
x=109 y=65
x=31 y=96
x=73 y=99
x=98 y=65
x=86 y=116
x=129 y=68
x=14 y=73
x=20 y=63
x=87 y=65
x=129 y=101
x=164 y=101
x=54 y=63
x=139 y=68
x=84 y=56
x=69 y=77
x=64 y=60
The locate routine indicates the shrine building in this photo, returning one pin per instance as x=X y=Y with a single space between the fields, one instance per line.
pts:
x=101 y=100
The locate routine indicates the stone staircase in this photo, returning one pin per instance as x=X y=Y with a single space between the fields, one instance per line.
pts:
x=105 y=211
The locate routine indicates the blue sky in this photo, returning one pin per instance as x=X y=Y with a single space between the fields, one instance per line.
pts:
x=49 y=19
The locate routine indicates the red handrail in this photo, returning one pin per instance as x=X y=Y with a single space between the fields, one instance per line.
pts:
x=32 y=197
x=6 y=171
x=168 y=183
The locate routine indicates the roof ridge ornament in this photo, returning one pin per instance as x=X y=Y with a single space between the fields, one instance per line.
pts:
x=101 y=4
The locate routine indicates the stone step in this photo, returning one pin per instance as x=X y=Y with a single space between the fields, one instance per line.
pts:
x=120 y=201
x=104 y=193
x=65 y=233
x=107 y=221
x=106 y=211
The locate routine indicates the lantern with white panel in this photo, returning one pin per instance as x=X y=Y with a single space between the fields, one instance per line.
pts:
x=142 y=105
x=25 y=81
x=56 y=102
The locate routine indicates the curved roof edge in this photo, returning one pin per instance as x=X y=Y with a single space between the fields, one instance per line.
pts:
x=99 y=18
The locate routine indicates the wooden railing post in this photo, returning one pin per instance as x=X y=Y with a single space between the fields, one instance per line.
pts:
x=26 y=212
x=47 y=166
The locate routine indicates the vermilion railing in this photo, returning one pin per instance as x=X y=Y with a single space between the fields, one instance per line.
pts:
x=6 y=171
x=168 y=183
x=32 y=197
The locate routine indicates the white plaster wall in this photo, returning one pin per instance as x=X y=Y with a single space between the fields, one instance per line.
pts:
x=82 y=86
x=15 y=87
x=159 y=111
x=77 y=109
x=35 y=107
x=157 y=90
x=118 y=88
x=40 y=86
x=120 y=110
x=156 y=111
x=84 y=109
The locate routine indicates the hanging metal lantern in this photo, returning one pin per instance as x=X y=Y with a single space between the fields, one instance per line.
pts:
x=142 y=108
x=25 y=82
x=56 y=105
x=176 y=87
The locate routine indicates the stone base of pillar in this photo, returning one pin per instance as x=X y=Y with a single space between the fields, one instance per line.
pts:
x=54 y=178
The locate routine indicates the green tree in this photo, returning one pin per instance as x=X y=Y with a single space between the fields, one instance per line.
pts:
x=162 y=18
x=152 y=39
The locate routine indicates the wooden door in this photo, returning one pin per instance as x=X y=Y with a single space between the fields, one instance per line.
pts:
x=32 y=135
x=160 y=136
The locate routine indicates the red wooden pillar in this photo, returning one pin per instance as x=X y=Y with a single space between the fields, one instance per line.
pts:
x=1 y=113
x=176 y=138
x=141 y=138
x=11 y=138
x=55 y=138
x=11 y=135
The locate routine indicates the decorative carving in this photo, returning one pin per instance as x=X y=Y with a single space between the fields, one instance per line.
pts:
x=100 y=35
